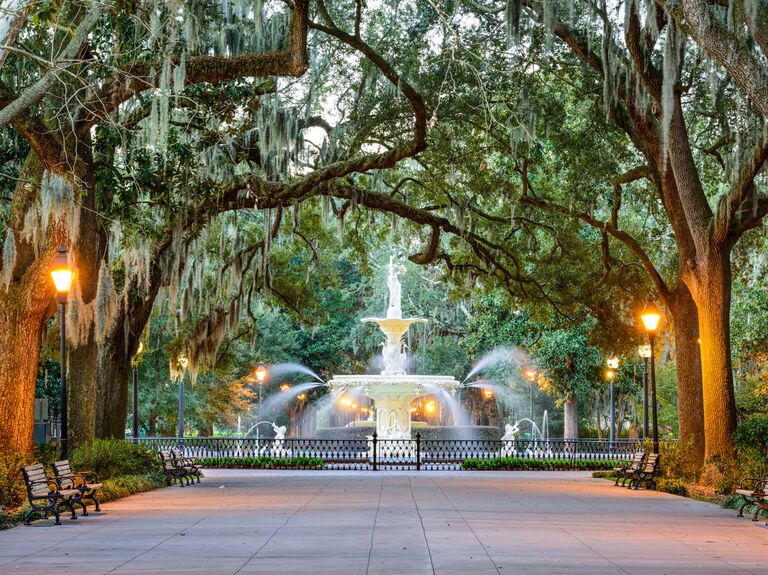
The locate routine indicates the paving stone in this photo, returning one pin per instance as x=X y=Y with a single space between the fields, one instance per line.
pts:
x=394 y=523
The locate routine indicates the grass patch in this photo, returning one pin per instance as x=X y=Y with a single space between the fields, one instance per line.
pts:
x=261 y=463
x=523 y=464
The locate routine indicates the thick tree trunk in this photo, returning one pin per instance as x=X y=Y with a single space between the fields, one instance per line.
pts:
x=713 y=299
x=571 y=418
x=20 y=333
x=112 y=391
x=24 y=309
x=82 y=364
x=115 y=353
x=81 y=384
x=690 y=400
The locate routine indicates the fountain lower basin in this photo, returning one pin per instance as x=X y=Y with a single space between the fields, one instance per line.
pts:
x=392 y=396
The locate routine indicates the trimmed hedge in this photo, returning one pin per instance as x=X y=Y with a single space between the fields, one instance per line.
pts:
x=261 y=463
x=112 y=489
x=428 y=432
x=523 y=464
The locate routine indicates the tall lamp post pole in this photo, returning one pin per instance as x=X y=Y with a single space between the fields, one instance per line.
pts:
x=645 y=353
x=651 y=317
x=136 y=391
x=613 y=365
x=531 y=375
x=183 y=362
x=62 y=274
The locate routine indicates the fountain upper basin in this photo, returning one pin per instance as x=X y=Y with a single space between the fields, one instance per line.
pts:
x=340 y=381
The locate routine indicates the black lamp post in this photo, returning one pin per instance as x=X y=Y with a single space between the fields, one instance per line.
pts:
x=651 y=317
x=183 y=362
x=136 y=391
x=531 y=375
x=613 y=365
x=645 y=353
x=62 y=274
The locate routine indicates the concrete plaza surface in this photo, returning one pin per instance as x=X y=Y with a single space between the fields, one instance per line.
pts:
x=323 y=522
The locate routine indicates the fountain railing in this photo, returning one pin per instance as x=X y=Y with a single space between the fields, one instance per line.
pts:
x=416 y=453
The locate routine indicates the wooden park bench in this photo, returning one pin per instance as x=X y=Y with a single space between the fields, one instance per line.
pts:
x=181 y=470
x=752 y=493
x=186 y=463
x=87 y=482
x=647 y=474
x=45 y=495
x=630 y=469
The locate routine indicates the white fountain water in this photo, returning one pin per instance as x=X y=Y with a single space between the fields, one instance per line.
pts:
x=393 y=390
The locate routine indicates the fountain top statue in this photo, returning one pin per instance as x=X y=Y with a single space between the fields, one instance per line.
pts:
x=394 y=326
x=395 y=298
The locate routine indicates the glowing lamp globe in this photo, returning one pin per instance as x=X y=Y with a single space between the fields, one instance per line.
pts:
x=261 y=373
x=61 y=272
x=651 y=317
x=613 y=362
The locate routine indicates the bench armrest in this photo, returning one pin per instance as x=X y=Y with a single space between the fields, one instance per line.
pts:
x=751 y=483
x=89 y=476
x=49 y=483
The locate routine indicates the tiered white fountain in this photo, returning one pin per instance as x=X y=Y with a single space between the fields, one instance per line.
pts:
x=393 y=391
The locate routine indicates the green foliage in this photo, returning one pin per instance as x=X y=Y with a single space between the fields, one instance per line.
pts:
x=677 y=460
x=673 y=486
x=752 y=433
x=115 y=457
x=524 y=464
x=261 y=462
x=12 y=490
x=444 y=356
x=570 y=364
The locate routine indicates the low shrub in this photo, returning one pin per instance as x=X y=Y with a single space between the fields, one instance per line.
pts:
x=673 y=486
x=678 y=460
x=115 y=457
x=261 y=463
x=523 y=464
x=733 y=501
x=12 y=491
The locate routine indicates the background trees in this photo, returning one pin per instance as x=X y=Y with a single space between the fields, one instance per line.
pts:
x=212 y=164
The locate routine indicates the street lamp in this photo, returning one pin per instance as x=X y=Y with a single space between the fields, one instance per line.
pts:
x=136 y=390
x=260 y=375
x=613 y=365
x=183 y=362
x=62 y=274
x=651 y=317
x=645 y=353
x=531 y=375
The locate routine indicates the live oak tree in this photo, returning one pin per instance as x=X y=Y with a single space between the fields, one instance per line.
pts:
x=705 y=165
x=104 y=62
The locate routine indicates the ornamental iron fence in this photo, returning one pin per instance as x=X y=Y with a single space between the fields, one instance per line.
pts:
x=399 y=454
